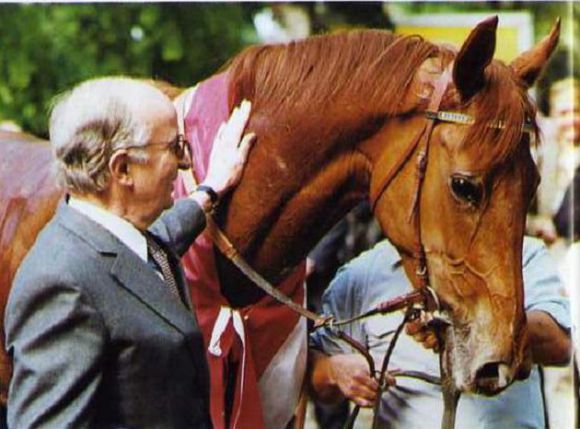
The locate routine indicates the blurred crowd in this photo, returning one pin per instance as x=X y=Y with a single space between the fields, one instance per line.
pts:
x=557 y=158
x=555 y=216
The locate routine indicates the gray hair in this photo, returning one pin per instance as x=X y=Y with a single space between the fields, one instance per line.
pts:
x=92 y=121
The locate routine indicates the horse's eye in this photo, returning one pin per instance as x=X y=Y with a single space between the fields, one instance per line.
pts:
x=466 y=189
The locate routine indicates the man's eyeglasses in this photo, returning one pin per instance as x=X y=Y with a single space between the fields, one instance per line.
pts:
x=177 y=146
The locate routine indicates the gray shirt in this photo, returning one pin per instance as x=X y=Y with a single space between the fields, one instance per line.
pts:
x=377 y=275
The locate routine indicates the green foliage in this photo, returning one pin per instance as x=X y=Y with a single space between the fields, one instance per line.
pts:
x=45 y=49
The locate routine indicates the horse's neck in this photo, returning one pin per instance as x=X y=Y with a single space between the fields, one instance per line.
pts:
x=275 y=233
x=306 y=214
x=301 y=179
x=298 y=225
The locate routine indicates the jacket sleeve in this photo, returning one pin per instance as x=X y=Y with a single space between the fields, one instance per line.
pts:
x=56 y=340
x=179 y=226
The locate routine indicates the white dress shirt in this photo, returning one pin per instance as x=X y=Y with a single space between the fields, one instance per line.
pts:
x=116 y=225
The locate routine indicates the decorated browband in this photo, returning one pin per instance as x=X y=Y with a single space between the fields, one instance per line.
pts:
x=462 y=118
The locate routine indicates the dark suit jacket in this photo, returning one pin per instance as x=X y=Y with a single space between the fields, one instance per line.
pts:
x=97 y=338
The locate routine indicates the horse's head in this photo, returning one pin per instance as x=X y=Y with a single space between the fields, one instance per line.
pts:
x=471 y=207
x=342 y=117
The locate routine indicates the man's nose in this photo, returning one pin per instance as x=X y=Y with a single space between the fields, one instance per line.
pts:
x=184 y=163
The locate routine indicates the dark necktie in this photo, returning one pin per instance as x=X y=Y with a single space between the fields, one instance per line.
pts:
x=160 y=257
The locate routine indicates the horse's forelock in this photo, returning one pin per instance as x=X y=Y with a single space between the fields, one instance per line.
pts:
x=503 y=101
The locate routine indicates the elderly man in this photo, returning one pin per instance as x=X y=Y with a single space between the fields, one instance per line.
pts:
x=378 y=275
x=99 y=322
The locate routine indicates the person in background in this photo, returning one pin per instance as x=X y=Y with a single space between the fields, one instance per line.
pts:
x=557 y=216
x=99 y=322
x=356 y=232
x=337 y=371
x=558 y=159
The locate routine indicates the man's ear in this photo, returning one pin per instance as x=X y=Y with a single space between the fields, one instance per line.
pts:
x=120 y=168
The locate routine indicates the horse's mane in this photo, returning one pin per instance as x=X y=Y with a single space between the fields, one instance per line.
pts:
x=362 y=68
x=370 y=70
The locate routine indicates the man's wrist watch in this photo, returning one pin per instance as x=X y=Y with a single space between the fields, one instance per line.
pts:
x=213 y=196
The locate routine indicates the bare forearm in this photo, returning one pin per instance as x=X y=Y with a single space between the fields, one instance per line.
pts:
x=342 y=376
x=550 y=344
x=322 y=385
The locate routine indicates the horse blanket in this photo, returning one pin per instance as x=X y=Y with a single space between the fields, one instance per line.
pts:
x=266 y=339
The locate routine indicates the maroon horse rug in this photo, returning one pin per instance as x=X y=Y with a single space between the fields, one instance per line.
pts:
x=265 y=342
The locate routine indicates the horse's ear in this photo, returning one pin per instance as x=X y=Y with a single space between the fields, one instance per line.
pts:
x=530 y=64
x=475 y=55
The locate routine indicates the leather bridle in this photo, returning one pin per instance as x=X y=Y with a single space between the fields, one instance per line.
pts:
x=424 y=297
x=421 y=145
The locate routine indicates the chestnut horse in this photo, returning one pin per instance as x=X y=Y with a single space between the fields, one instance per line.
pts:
x=337 y=117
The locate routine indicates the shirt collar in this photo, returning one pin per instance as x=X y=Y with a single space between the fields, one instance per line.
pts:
x=116 y=225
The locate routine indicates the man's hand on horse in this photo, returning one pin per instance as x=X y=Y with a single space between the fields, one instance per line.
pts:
x=230 y=151
x=351 y=375
x=422 y=332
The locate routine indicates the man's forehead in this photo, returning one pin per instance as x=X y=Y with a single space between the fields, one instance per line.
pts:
x=156 y=115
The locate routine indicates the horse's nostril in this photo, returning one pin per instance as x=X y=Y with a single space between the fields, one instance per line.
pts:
x=493 y=376
x=489 y=370
x=523 y=372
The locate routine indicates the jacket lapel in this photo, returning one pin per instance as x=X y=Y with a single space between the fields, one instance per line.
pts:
x=131 y=272
x=141 y=280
